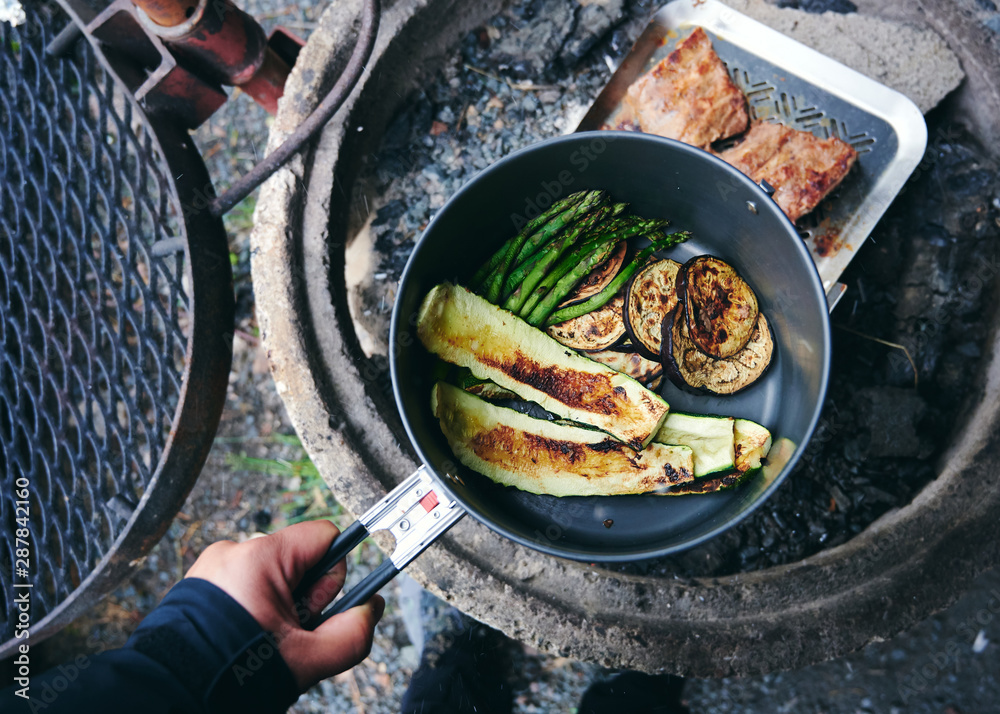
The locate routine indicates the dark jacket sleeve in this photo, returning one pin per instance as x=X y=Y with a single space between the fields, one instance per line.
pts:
x=199 y=651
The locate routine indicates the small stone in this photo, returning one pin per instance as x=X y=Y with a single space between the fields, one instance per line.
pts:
x=981 y=642
x=446 y=115
x=262 y=518
x=529 y=103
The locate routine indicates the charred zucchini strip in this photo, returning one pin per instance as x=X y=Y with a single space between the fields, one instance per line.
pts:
x=464 y=329
x=545 y=457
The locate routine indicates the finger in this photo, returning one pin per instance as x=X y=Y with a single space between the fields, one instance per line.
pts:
x=326 y=588
x=302 y=545
x=335 y=646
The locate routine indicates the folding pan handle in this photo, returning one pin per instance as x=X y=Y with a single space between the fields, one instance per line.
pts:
x=416 y=512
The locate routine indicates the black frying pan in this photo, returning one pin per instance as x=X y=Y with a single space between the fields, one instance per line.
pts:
x=730 y=217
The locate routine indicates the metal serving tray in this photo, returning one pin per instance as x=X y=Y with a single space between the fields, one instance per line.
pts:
x=785 y=81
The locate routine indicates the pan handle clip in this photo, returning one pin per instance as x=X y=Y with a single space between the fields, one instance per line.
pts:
x=416 y=512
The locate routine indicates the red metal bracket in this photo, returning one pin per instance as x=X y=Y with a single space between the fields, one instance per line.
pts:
x=179 y=69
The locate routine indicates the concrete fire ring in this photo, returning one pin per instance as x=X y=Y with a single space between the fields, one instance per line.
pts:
x=910 y=563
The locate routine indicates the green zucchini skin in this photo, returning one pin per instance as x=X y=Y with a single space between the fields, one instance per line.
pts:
x=467 y=330
x=711 y=438
x=552 y=458
x=752 y=443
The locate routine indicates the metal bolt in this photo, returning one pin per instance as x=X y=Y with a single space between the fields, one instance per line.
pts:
x=418 y=492
x=437 y=514
x=404 y=525
x=752 y=207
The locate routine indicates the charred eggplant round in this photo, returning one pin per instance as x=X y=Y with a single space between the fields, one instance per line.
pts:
x=599 y=277
x=649 y=298
x=593 y=331
x=633 y=364
x=720 y=308
x=689 y=367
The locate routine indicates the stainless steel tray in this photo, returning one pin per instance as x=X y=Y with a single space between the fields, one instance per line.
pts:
x=788 y=82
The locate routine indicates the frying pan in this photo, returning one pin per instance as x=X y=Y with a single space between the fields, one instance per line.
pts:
x=730 y=217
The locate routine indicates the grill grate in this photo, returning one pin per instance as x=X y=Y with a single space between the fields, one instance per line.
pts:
x=95 y=312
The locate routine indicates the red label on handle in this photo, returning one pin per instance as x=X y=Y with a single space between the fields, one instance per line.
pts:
x=429 y=501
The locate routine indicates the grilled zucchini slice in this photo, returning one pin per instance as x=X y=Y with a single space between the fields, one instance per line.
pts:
x=711 y=438
x=467 y=330
x=539 y=456
x=752 y=443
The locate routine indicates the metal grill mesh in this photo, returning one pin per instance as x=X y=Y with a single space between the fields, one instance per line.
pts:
x=768 y=103
x=94 y=321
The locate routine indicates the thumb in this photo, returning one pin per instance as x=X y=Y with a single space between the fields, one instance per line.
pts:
x=335 y=646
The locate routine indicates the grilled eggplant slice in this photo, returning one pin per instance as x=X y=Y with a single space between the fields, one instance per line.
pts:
x=469 y=331
x=650 y=297
x=599 y=277
x=490 y=391
x=593 y=331
x=720 y=308
x=547 y=457
x=633 y=364
x=689 y=367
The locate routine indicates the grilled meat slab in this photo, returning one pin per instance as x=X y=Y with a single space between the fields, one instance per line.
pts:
x=802 y=168
x=688 y=96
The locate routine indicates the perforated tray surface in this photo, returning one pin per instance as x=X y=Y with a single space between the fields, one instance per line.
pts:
x=787 y=82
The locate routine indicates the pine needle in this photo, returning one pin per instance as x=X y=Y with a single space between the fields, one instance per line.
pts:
x=894 y=345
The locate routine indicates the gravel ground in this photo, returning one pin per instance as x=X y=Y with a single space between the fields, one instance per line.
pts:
x=257 y=477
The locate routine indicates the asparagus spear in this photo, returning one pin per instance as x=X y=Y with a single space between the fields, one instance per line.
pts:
x=494 y=283
x=513 y=282
x=612 y=234
x=566 y=284
x=551 y=254
x=571 y=311
x=557 y=208
x=529 y=249
x=518 y=274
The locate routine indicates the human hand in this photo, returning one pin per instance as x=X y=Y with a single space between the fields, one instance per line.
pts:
x=261 y=574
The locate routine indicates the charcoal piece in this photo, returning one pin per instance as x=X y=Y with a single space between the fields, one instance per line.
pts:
x=892 y=415
x=592 y=22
